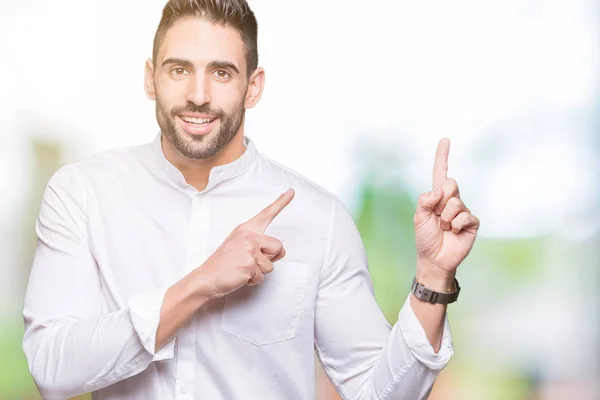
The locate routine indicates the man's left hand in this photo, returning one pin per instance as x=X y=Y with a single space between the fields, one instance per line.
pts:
x=445 y=229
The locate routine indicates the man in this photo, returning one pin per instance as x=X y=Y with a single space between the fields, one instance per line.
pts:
x=167 y=271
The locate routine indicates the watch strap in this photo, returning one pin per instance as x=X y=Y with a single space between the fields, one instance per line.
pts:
x=433 y=297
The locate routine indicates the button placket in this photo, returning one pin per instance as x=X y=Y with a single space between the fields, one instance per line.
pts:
x=186 y=339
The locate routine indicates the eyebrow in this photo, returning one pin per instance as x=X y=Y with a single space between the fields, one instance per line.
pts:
x=224 y=65
x=211 y=65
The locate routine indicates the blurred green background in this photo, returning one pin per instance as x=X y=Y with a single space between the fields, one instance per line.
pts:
x=513 y=84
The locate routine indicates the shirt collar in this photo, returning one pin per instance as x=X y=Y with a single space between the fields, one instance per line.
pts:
x=217 y=174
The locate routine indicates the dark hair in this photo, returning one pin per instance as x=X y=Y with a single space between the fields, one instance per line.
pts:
x=234 y=13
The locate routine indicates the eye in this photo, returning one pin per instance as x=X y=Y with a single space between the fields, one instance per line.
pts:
x=222 y=74
x=179 y=71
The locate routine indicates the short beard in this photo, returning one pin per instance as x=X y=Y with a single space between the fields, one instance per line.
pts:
x=200 y=147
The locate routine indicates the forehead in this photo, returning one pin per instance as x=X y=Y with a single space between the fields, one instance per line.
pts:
x=201 y=42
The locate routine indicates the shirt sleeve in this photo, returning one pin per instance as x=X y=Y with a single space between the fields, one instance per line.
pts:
x=363 y=355
x=71 y=346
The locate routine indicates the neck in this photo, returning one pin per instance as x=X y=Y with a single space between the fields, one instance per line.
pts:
x=196 y=172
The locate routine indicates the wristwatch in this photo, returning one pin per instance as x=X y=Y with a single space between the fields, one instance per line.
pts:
x=433 y=297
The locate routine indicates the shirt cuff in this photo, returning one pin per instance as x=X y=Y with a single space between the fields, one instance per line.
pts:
x=418 y=343
x=144 y=310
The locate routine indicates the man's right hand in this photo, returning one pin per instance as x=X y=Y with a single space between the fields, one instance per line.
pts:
x=245 y=256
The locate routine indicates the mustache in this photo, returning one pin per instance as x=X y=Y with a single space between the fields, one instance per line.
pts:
x=194 y=108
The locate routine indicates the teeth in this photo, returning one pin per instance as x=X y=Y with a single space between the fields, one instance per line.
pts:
x=196 y=120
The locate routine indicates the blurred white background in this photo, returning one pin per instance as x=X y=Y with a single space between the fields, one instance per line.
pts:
x=355 y=87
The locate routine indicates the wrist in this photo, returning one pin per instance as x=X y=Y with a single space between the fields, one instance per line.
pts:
x=434 y=278
x=194 y=287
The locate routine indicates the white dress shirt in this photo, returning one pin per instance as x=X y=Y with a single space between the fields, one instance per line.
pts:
x=117 y=229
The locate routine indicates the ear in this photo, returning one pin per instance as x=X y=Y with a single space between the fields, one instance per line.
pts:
x=256 y=84
x=149 y=80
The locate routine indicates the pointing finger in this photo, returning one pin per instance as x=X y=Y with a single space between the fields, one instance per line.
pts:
x=263 y=219
x=440 y=165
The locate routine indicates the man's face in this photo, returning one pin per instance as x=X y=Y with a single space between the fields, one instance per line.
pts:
x=200 y=86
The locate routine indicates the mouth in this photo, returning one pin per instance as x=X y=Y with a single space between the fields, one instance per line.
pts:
x=197 y=125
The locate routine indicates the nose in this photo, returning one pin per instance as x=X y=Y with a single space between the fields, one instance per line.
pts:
x=198 y=92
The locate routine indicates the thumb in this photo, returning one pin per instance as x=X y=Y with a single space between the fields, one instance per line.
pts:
x=428 y=201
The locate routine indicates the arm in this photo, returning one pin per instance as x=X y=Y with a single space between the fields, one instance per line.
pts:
x=71 y=346
x=363 y=355
x=431 y=316
x=445 y=231
x=181 y=301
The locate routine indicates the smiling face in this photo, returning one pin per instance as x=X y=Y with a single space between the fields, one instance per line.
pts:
x=201 y=87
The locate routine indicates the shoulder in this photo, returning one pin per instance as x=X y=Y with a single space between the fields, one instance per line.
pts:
x=280 y=174
x=109 y=162
x=313 y=196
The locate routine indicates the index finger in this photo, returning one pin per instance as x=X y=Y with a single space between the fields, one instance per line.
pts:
x=263 y=219
x=440 y=165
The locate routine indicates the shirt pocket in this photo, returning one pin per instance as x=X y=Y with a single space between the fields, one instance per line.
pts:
x=269 y=312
